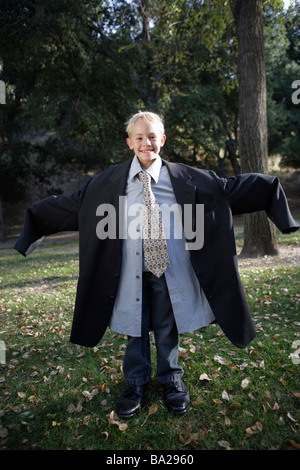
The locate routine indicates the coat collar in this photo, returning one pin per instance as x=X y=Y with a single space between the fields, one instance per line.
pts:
x=119 y=175
x=184 y=191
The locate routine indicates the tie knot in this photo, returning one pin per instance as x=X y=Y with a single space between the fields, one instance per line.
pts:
x=145 y=177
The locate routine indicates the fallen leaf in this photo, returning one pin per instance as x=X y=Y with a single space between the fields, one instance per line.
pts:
x=216 y=400
x=90 y=395
x=259 y=426
x=291 y=417
x=227 y=421
x=221 y=360
x=245 y=383
x=294 y=444
x=55 y=423
x=204 y=377
x=235 y=405
x=251 y=430
x=33 y=399
x=123 y=426
x=225 y=395
x=113 y=416
x=224 y=444
x=86 y=420
x=198 y=400
x=147 y=447
x=113 y=419
x=153 y=409
x=183 y=353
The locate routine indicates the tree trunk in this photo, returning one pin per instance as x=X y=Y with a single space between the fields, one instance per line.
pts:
x=259 y=232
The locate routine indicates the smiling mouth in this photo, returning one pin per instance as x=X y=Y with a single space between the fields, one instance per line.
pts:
x=147 y=150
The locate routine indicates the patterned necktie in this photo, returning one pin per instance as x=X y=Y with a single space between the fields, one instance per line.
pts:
x=154 y=241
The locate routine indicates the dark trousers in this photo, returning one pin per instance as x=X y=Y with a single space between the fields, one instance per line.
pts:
x=157 y=315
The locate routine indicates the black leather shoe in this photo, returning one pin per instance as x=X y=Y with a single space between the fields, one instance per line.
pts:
x=131 y=400
x=176 y=397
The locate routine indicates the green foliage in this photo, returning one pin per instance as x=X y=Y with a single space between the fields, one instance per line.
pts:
x=75 y=71
x=283 y=68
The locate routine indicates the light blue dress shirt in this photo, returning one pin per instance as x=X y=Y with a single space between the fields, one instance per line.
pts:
x=190 y=306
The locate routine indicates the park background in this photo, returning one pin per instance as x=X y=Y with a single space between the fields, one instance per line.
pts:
x=74 y=72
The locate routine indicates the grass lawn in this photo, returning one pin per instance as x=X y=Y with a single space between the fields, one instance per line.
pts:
x=55 y=395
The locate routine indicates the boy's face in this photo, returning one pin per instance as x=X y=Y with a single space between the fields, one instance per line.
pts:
x=146 y=141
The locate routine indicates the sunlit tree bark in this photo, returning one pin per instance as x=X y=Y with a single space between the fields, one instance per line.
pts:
x=259 y=232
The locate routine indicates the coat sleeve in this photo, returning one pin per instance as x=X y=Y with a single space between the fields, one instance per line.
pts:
x=258 y=192
x=50 y=215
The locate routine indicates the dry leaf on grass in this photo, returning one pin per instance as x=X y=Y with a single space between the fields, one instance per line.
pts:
x=224 y=444
x=90 y=395
x=113 y=419
x=221 y=360
x=204 y=377
x=226 y=396
x=257 y=427
x=245 y=383
x=153 y=409
x=294 y=444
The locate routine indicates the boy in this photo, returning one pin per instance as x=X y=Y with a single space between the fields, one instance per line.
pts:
x=122 y=282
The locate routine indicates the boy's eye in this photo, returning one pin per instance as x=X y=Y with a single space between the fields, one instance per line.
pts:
x=151 y=137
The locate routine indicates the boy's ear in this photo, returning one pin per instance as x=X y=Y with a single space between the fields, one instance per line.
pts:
x=129 y=143
x=163 y=139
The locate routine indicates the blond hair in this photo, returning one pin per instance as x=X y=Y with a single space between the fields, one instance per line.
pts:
x=148 y=116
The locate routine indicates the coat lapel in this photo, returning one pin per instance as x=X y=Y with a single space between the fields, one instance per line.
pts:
x=118 y=183
x=184 y=190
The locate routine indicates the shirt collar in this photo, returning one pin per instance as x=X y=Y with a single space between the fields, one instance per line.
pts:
x=153 y=170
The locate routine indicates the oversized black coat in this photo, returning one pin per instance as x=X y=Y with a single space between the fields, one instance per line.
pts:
x=215 y=264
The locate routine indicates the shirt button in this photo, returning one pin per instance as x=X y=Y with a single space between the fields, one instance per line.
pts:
x=138 y=277
x=137 y=253
x=137 y=300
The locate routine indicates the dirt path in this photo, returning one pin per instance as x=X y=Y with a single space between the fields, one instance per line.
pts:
x=288 y=255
